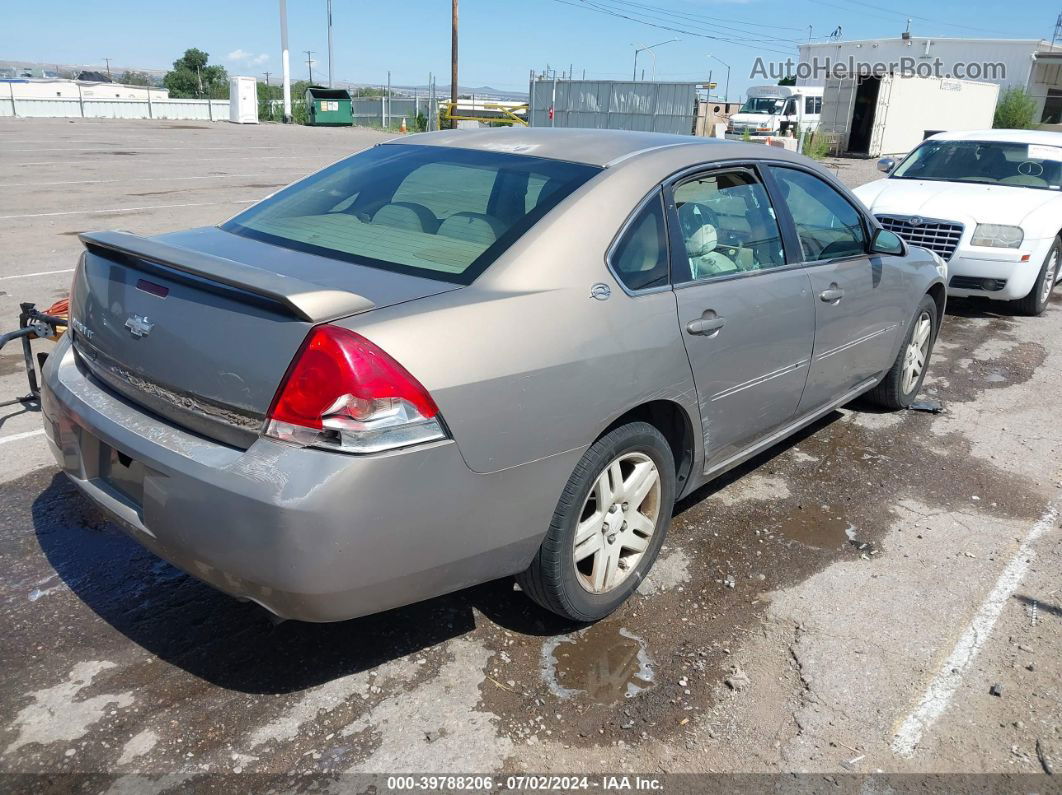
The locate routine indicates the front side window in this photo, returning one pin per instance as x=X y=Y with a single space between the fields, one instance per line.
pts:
x=728 y=225
x=828 y=226
x=441 y=212
x=639 y=259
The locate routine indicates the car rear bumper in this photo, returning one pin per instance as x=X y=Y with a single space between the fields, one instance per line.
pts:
x=996 y=274
x=309 y=534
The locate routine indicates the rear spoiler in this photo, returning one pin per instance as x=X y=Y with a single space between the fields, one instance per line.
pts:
x=305 y=300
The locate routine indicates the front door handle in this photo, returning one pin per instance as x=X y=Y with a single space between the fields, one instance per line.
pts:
x=832 y=295
x=705 y=326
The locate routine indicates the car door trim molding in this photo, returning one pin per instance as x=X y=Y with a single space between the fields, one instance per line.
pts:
x=760 y=379
x=769 y=441
x=852 y=343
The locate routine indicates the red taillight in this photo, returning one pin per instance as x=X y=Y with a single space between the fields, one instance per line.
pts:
x=354 y=393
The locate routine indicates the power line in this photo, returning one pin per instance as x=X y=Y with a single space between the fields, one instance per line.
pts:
x=590 y=6
x=713 y=27
x=702 y=17
x=902 y=14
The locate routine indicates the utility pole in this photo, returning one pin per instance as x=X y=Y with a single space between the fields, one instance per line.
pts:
x=108 y=62
x=284 y=59
x=453 y=66
x=331 y=75
x=309 y=63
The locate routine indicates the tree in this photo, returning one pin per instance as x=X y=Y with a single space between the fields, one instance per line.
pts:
x=136 y=79
x=192 y=77
x=787 y=81
x=1015 y=110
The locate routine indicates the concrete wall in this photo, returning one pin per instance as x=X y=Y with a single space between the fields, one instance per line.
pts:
x=100 y=108
x=73 y=89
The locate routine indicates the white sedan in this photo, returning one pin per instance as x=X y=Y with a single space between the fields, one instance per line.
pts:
x=988 y=202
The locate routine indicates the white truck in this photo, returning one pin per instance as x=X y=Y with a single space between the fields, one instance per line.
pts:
x=775 y=110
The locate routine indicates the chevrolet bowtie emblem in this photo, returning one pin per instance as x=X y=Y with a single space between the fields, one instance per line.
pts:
x=139 y=326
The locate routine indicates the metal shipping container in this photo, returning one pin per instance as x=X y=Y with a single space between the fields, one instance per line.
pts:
x=891 y=114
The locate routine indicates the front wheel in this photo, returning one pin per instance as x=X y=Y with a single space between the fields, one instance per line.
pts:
x=1036 y=301
x=608 y=525
x=900 y=385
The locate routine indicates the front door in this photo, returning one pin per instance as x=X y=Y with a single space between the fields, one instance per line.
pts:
x=858 y=299
x=746 y=315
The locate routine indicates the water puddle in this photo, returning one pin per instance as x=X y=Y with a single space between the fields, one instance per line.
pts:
x=821 y=527
x=603 y=663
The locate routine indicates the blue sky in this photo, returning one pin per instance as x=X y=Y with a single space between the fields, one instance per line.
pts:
x=501 y=40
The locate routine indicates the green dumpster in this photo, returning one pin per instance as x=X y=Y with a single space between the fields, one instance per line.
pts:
x=328 y=107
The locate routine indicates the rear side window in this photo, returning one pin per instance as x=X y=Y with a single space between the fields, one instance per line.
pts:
x=639 y=259
x=440 y=212
x=828 y=226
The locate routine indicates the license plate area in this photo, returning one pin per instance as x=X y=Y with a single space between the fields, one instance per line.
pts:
x=122 y=473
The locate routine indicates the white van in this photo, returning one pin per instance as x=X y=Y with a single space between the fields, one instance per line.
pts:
x=774 y=110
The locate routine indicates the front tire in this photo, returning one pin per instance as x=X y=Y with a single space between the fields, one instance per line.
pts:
x=608 y=527
x=1036 y=301
x=900 y=385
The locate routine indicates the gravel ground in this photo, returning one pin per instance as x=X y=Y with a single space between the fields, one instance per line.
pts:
x=879 y=593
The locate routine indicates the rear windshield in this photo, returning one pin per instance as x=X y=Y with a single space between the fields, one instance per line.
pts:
x=441 y=212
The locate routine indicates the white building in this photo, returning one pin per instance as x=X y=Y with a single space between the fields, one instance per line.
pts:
x=1031 y=64
x=33 y=88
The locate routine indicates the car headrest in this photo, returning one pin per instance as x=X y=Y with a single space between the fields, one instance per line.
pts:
x=472 y=227
x=406 y=215
x=703 y=241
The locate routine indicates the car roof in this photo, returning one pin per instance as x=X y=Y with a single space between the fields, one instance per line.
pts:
x=604 y=148
x=1013 y=136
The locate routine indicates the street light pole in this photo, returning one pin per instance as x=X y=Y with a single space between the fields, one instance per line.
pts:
x=285 y=60
x=726 y=91
x=331 y=74
x=453 y=64
x=649 y=50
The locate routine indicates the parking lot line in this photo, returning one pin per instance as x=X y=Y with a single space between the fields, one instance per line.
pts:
x=937 y=696
x=37 y=273
x=16 y=437
x=257 y=158
x=109 y=149
x=125 y=209
x=138 y=179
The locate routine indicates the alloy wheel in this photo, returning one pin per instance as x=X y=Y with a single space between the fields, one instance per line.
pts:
x=914 y=358
x=1049 y=277
x=617 y=522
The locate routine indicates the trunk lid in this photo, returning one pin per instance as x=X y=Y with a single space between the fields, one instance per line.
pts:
x=200 y=326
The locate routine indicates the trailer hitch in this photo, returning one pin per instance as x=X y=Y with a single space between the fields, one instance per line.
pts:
x=32 y=323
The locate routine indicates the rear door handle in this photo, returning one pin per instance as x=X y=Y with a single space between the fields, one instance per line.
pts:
x=705 y=326
x=832 y=295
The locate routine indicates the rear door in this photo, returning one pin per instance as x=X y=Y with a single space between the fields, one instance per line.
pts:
x=744 y=309
x=858 y=299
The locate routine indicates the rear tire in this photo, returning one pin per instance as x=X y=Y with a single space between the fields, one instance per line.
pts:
x=617 y=505
x=897 y=390
x=1036 y=301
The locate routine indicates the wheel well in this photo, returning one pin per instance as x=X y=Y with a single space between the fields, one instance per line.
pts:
x=672 y=421
x=939 y=293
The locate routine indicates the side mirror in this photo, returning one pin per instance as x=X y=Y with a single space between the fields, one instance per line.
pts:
x=886 y=164
x=886 y=242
